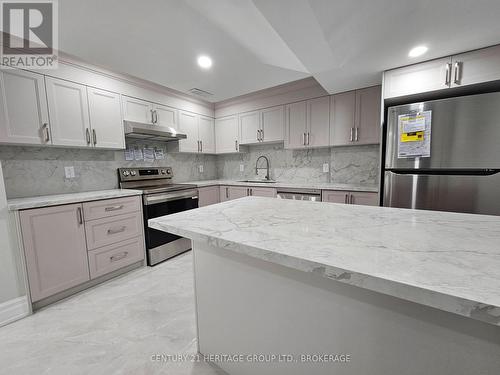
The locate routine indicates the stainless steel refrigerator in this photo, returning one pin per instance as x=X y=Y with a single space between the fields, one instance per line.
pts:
x=459 y=170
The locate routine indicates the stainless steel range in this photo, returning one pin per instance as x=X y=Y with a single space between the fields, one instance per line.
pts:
x=160 y=197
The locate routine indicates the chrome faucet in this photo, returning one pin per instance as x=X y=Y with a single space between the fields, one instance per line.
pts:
x=266 y=168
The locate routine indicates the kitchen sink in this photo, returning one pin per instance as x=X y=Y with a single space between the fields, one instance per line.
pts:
x=259 y=181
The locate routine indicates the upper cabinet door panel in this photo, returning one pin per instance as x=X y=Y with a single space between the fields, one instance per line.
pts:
x=414 y=79
x=318 y=130
x=206 y=130
x=137 y=110
x=476 y=67
x=250 y=127
x=106 y=119
x=69 y=112
x=273 y=124
x=165 y=116
x=368 y=104
x=296 y=124
x=188 y=124
x=343 y=109
x=23 y=108
x=226 y=133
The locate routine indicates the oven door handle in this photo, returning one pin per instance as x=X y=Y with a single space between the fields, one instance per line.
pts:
x=154 y=199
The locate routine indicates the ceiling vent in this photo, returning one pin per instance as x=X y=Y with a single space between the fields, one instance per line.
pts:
x=200 y=92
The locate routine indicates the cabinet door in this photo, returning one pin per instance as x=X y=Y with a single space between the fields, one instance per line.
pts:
x=343 y=108
x=364 y=198
x=56 y=254
x=106 y=119
x=24 y=116
x=188 y=124
x=367 y=129
x=249 y=127
x=263 y=192
x=318 y=122
x=476 y=67
x=414 y=79
x=208 y=195
x=165 y=116
x=296 y=124
x=206 y=131
x=226 y=135
x=69 y=113
x=335 y=196
x=273 y=124
x=236 y=192
x=223 y=193
x=137 y=110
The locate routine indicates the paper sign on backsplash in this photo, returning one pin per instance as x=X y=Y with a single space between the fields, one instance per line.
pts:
x=414 y=135
x=149 y=154
x=159 y=154
x=129 y=154
x=138 y=154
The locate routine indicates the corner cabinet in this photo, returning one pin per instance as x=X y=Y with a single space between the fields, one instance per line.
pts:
x=227 y=135
x=263 y=126
x=24 y=117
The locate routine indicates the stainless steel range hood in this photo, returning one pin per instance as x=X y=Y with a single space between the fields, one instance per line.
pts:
x=139 y=130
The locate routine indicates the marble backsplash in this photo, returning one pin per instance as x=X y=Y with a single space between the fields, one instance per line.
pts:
x=31 y=171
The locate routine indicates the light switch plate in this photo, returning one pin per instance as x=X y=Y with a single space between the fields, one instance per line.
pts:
x=326 y=168
x=69 y=172
x=242 y=167
x=200 y=168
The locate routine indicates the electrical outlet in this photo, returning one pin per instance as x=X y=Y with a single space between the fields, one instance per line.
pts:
x=69 y=172
x=200 y=168
x=242 y=167
x=326 y=168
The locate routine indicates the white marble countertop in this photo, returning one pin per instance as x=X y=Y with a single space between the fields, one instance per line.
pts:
x=448 y=261
x=280 y=184
x=57 y=199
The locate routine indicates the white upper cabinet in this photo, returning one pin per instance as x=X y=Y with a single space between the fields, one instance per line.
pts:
x=250 y=127
x=24 y=117
x=272 y=124
x=188 y=124
x=106 y=119
x=226 y=135
x=342 y=114
x=476 y=67
x=414 y=79
x=164 y=116
x=367 y=119
x=69 y=113
x=308 y=123
x=137 y=110
x=206 y=134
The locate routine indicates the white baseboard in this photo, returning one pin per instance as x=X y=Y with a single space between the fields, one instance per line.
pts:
x=13 y=310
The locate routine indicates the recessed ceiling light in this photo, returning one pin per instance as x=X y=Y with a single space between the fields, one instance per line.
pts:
x=417 y=51
x=204 y=61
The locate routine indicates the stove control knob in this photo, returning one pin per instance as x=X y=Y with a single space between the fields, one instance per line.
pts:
x=163 y=171
x=133 y=173
x=126 y=173
x=169 y=171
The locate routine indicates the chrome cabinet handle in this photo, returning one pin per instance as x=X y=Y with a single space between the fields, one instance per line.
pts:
x=113 y=208
x=45 y=132
x=351 y=199
x=458 y=73
x=447 y=79
x=258 y=135
x=117 y=257
x=236 y=145
x=198 y=142
x=94 y=136
x=346 y=199
x=308 y=138
x=303 y=139
x=356 y=138
x=79 y=215
x=87 y=136
x=351 y=137
x=156 y=116
x=227 y=193
x=152 y=116
x=262 y=135
x=201 y=146
x=117 y=230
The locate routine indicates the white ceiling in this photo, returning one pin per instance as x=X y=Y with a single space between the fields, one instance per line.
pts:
x=344 y=44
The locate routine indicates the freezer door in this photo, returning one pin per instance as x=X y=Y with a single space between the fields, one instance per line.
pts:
x=465 y=133
x=469 y=194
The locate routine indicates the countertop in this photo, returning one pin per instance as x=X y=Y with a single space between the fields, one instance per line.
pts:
x=54 y=200
x=444 y=260
x=280 y=184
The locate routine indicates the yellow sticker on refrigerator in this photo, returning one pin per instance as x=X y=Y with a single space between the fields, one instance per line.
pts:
x=414 y=134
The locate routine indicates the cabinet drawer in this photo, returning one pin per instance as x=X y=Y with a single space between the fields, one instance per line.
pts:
x=102 y=232
x=113 y=257
x=111 y=207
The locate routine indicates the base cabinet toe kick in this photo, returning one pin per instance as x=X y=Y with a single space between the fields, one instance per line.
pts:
x=71 y=247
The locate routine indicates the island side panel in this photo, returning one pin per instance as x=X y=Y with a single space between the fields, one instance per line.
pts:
x=248 y=306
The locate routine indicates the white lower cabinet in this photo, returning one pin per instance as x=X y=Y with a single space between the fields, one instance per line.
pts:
x=350 y=197
x=208 y=195
x=60 y=243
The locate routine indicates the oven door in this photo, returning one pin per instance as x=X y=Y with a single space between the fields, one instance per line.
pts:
x=162 y=245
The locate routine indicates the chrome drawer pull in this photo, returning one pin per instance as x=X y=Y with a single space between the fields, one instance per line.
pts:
x=113 y=208
x=117 y=230
x=118 y=257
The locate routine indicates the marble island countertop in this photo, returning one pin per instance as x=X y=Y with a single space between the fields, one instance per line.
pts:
x=293 y=185
x=444 y=260
x=57 y=199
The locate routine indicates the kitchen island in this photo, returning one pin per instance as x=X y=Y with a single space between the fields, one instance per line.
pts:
x=326 y=288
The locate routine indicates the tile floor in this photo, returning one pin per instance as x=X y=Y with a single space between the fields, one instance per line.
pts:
x=114 y=328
